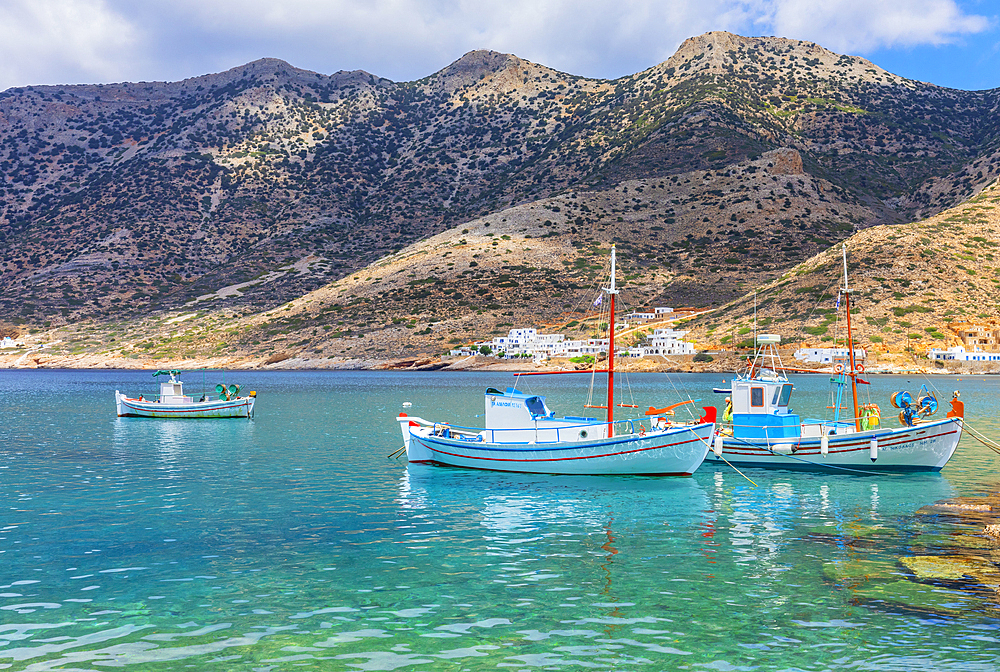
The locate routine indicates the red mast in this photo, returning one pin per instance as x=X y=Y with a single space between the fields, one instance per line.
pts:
x=611 y=349
x=850 y=347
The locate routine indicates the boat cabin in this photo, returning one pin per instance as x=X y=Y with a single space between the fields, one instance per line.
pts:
x=172 y=391
x=761 y=401
x=513 y=409
x=515 y=417
x=760 y=407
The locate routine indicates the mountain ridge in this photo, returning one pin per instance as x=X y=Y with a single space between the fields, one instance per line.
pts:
x=125 y=200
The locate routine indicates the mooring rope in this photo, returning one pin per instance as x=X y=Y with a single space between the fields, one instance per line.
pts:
x=737 y=470
x=823 y=465
x=982 y=438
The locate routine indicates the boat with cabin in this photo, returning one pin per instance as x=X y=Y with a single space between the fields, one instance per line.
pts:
x=522 y=434
x=173 y=403
x=759 y=428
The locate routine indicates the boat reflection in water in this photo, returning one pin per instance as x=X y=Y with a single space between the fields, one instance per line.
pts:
x=564 y=533
x=772 y=525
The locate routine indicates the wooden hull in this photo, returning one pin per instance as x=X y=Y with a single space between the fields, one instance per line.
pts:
x=926 y=447
x=677 y=451
x=241 y=407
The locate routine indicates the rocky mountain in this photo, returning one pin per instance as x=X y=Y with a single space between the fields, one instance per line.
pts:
x=908 y=283
x=228 y=194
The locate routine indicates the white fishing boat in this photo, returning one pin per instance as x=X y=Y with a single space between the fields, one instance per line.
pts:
x=521 y=434
x=173 y=403
x=759 y=429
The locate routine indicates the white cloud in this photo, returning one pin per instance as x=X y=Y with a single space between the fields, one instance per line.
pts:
x=54 y=41
x=45 y=41
x=864 y=25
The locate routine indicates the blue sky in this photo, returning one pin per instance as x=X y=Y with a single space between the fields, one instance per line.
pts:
x=953 y=43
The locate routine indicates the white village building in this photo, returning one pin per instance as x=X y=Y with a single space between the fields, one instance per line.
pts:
x=658 y=313
x=521 y=342
x=958 y=353
x=529 y=343
x=828 y=355
x=663 y=341
x=591 y=346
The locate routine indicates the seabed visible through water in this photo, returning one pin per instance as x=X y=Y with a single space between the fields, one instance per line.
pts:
x=291 y=541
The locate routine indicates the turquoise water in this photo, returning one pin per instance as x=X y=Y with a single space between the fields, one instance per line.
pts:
x=292 y=542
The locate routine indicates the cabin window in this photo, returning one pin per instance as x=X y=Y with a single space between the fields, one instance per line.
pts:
x=757 y=396
x=535 y=406
x=786 y=394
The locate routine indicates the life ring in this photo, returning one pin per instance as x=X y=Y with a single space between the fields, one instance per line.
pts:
x=838 y=368
x=860 y=368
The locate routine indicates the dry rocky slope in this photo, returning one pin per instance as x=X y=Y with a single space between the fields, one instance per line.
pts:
x=270 y=212
x=909 y=282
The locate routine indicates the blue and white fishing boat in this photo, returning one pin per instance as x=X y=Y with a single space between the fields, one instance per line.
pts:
x=759 y=429
x=173 y=403
x=522 y=434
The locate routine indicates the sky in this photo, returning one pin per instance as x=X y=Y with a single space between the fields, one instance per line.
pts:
x=954 y=43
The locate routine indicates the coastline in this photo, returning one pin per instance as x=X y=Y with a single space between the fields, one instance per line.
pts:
x=721 y=363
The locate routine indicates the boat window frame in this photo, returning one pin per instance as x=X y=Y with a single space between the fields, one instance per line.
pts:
x=757 y=395
x=785 y=395
x=536 y=406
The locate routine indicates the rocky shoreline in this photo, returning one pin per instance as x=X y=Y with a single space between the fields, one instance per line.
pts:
x=721 y=363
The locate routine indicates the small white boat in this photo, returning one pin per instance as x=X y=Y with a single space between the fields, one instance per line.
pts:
x=759 y=428
x=521 y=434
x=173 y=403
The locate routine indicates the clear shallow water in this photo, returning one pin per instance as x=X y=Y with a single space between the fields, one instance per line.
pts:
x=291 y=541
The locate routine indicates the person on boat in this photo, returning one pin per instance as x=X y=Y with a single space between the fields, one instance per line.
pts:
x=727 y=415
x=140 y=398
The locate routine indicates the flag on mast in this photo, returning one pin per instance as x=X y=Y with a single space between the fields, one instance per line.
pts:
x=598 y=300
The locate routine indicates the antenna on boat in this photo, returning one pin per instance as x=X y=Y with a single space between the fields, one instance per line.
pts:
x=611 y=346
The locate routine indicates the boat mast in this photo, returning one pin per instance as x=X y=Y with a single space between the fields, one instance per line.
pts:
x=611 y=347
x=850 y=346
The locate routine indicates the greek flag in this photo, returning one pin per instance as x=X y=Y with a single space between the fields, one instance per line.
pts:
x=597 y=301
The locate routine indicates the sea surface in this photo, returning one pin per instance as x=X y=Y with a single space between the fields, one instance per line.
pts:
x=292 y=541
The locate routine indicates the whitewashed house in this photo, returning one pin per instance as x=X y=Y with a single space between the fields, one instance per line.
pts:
x=524 y=342
x=641 y=316
x=658 y=313
x=958 y=353
x=828 y=355
x=591 y=346
x=663 y=341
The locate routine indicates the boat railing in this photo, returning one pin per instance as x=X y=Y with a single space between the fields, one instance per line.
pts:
x=813 y=428
x=545 y=433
